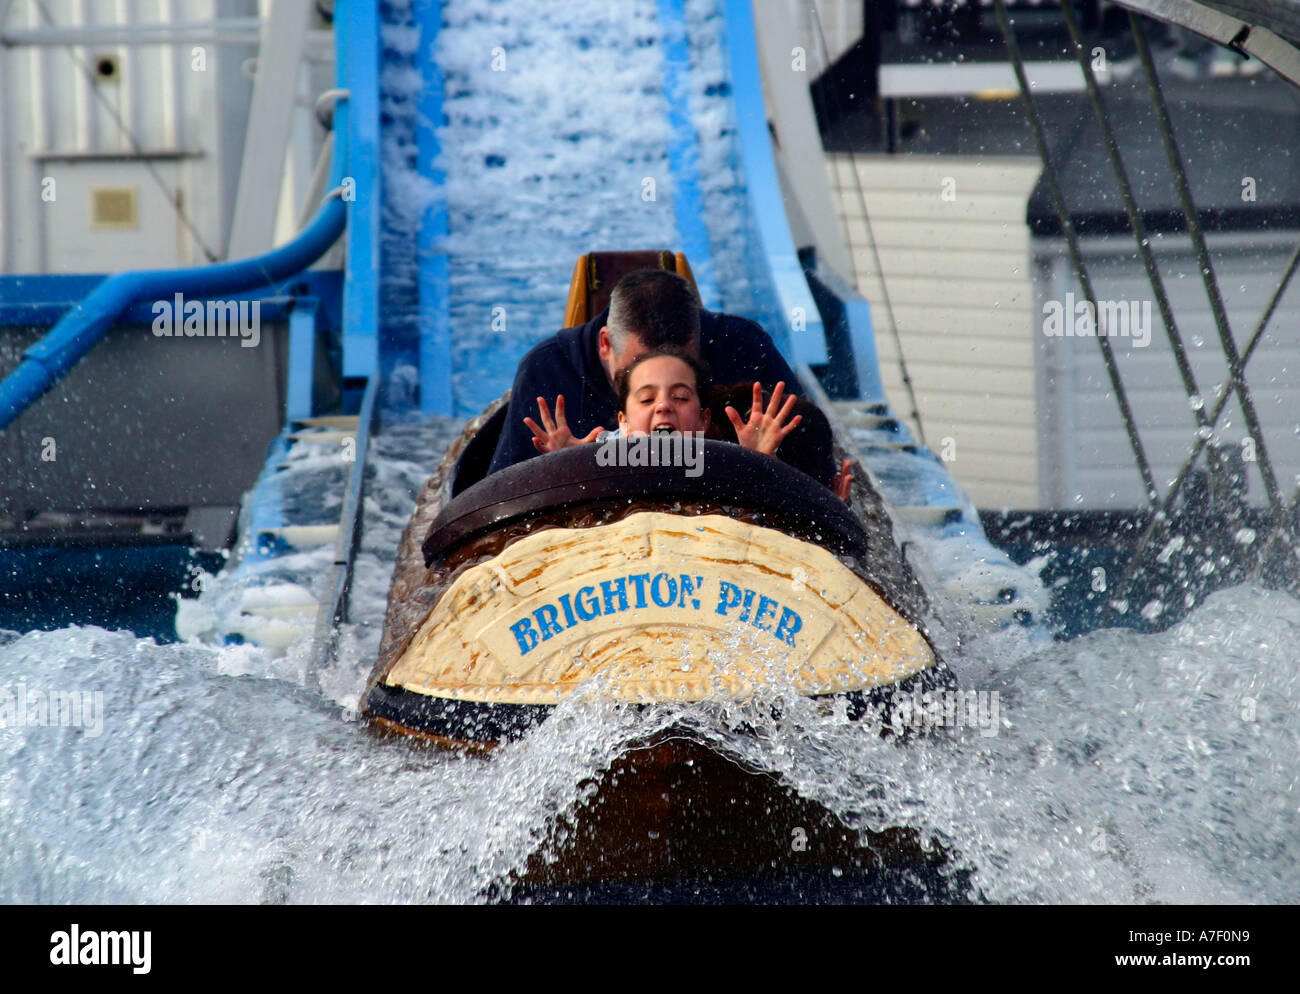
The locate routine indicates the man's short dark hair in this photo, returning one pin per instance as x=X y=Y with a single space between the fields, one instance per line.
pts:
x=657 y=306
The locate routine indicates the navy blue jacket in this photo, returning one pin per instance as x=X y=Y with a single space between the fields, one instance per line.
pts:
x=736 y=349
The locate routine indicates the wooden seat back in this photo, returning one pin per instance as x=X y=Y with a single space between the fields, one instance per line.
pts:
x=595 y=274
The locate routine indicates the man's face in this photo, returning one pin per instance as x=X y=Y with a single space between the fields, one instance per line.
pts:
x=615 y=363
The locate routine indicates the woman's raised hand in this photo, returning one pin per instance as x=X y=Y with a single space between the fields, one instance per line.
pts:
x=842 y=483
x=766 y=429
x=556 y=434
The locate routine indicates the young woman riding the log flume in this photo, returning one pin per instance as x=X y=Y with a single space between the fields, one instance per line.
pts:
x=662 y=391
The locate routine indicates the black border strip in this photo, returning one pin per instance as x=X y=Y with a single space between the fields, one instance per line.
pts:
x=486 y=723
x=467 y=721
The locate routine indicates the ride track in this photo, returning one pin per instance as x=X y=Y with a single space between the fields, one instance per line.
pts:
x=717 y=194
x=590 y=852
x=414 y=342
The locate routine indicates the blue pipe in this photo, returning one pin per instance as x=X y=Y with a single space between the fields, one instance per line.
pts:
x=88 y=321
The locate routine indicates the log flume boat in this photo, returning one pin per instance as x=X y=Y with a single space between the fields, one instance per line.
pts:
x=514 y=590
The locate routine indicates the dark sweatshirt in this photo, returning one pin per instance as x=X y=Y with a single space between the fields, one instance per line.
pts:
x=568 y=363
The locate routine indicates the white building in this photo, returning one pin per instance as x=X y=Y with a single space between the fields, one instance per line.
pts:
x=125 y=129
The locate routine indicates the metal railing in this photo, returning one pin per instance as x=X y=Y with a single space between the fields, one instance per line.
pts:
x=1281 y=527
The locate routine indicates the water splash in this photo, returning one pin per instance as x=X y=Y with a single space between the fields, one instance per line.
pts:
x=1126 y=768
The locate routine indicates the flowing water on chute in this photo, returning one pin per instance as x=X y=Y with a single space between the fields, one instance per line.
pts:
x=1120 y=767
x=1116 y=767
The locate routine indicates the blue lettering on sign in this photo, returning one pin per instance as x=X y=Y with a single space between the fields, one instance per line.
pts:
x=548 y=621
x=749 y=602
x=641 y=579
x=524 y=635
x=586 y=604
x=728 y=597
x=765 y=606
x=670 y=594
x=607 y=588
x=665 y=590
x=568 y=611
x=688 y=590
x=789 y=624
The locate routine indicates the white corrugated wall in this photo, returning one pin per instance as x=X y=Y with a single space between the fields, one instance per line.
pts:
x=1086 y=458
x=146 y=127
x=954 y=249
x=161 y=131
